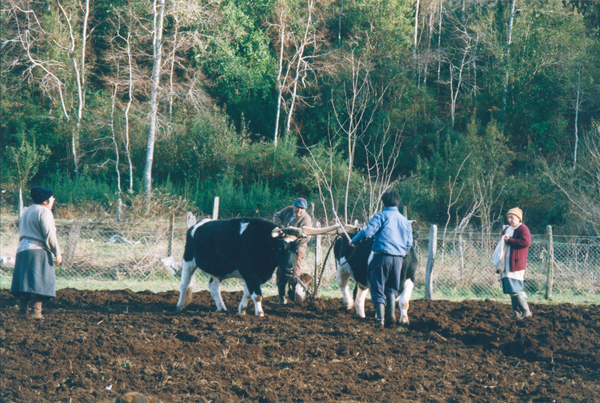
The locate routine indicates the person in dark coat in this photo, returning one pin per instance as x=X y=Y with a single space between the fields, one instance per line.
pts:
x=292 y=216
x=33 y=278
x=517 y=238
x=393 y=239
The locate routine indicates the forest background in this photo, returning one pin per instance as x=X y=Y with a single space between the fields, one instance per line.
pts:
x=467 y=108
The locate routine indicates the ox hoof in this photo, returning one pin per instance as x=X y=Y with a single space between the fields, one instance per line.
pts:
x=242 y=312
x=261 y=314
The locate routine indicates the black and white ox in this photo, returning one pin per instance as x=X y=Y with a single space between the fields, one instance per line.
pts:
x=354 y=262
x=246 y=248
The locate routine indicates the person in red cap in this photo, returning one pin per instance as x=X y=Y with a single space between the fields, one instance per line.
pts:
x=517 y=238
x=292 y=216
x=33 y=278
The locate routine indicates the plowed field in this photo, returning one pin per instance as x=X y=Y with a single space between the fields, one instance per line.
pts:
x=94 y=345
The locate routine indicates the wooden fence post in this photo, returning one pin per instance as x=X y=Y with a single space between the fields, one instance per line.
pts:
x=20 y=203
x=215 y=215
x=318 y=257
x=119 y=209
x=171 y=234
x=190 y=219
x=405 y=212
x=69 y=253
x=550 y=254
x=461 y=254
x=430 y=261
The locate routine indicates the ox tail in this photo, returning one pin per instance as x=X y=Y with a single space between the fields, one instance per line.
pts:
x=188 y=252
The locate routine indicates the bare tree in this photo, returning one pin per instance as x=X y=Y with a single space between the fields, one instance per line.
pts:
x=297 y=34
x=30 y=40
x=382 y=151
x=581 y=187
x=357 y=114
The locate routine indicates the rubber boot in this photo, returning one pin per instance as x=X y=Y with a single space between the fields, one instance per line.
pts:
x=379 y=316
x=524 y=307
x=36 y=310
x=390 y=310
x=281 y=288
x=24 y=305
x=515 y=306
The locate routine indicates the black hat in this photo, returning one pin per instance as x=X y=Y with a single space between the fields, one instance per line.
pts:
x=40 y=194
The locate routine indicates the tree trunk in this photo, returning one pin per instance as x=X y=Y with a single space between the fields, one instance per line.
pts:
x=279 y=83
x=156 y=68
x=508 y=42
x=300 y=54
x=127 y=145
x=577 y=106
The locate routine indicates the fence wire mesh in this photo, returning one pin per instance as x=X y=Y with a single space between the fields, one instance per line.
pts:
x=147 y=256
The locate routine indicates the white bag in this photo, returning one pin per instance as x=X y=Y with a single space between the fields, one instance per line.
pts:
x=498 y=256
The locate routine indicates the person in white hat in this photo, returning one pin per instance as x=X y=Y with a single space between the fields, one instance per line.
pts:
x=517 y=238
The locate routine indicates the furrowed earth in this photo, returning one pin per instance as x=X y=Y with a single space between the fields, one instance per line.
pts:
x=93 y=346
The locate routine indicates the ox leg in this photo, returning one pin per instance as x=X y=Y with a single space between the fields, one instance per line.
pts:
x=258 y=311
x=214 y=285
x=253 y=285
x=186 y=289
x=343 y=275
x=403 y=301
x=244 y=304
x=359 y=304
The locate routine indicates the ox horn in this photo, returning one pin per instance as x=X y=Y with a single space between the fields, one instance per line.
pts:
x=331 y=230
x=289 y=234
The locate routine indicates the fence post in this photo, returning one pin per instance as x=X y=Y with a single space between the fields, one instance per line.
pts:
x=171 y=234
x=215 y=215
x=550 y=248
x=318 y=263
x=461 y=254
x=190 y=219
x=430 y=261
x=405 y=212
x=20 y=203
x=71 y=246
x=119 y=209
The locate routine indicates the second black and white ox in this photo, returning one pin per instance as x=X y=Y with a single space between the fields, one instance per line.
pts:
x=246 y=248
x=354 y=262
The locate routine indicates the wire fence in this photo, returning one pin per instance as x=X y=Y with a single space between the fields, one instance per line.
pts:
x=147 y=256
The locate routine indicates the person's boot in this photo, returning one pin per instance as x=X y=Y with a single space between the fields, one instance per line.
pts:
x=36 y=309
x=390 y=310
x=524 y=307
x=516 y=309
x=379 y=316
x=24 y=305
x=281 y=288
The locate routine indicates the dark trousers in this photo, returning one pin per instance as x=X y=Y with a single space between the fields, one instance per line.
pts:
x=281 y=277
x=384 y=277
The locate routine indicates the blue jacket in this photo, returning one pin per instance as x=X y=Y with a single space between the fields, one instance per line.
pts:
x=392 y=232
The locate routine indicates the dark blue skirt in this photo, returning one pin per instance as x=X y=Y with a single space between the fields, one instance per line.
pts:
x=34 y=273
x=510 y=285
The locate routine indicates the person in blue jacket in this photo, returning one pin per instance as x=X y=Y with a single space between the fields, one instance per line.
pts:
x=393 y=239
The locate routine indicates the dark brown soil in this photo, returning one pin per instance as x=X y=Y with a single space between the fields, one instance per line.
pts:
x=96 y=345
